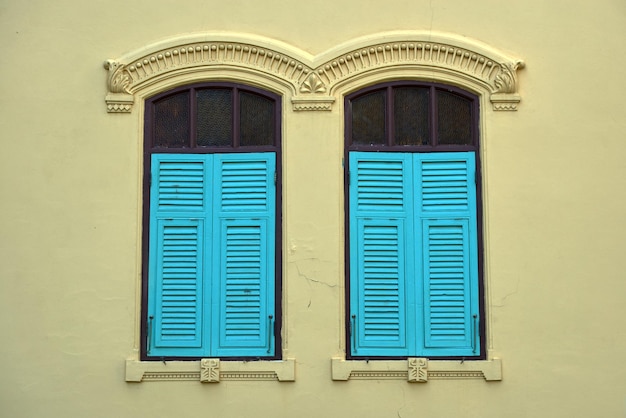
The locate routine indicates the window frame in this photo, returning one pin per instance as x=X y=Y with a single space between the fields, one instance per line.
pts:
x=433 y=147
x=149 y=149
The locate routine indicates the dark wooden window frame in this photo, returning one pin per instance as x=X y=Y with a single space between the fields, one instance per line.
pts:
x=235 y=147
x=389 y=146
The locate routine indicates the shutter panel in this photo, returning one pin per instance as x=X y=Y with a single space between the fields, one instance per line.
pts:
x=244 y=266
x=405 y=208
x=380 y=222
x=446 y=221
x=178 y=213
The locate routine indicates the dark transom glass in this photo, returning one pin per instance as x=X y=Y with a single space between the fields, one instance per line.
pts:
x=171 y=121
x=368 y=118
x=215 y=117
x=454 y=119
x=257 y=120
x=412 y=116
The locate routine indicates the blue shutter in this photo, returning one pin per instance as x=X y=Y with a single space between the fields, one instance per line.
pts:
x=446 y=221
x=244 y=254
x=413 y=254
x=380 y=223
x=176 y=269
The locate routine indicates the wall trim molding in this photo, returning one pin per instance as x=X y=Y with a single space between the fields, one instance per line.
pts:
x=313 y=81
x=210 y=370
x=415 y=370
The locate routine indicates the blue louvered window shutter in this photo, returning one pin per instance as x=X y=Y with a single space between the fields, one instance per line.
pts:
x=179 y=224
x=244 y=252
x=445 y=219
x=211 y=277
x=413 y=254
x=380 y=231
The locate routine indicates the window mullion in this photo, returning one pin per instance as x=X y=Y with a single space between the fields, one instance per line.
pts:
x=389 y=120
x=193 y=119
x=432 y=112
x=236 y=118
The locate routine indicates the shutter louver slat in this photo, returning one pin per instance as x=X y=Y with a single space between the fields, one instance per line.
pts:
x=381 y=276
x=244 y=186
x=243 y=282
x=181 y=185
x=380 y=185
x=447 y=285
x=179 y=300
x=444 y=185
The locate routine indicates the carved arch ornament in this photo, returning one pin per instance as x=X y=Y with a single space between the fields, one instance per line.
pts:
x=313 y=81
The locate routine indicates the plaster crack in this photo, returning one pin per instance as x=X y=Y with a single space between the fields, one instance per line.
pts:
x=403 y=404
x=505 y=297
x=311 y=279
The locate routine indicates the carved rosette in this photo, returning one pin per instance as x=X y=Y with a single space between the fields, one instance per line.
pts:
x=209 y=370
x=314 y=86
x=418 y=370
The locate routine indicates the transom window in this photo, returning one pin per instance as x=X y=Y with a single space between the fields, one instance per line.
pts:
x=216 y=117
x=413 y=223
x=412 y=116
x=212 y=224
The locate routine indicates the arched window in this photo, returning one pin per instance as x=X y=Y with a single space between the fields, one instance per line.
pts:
x=212 y=187
x=413 y=222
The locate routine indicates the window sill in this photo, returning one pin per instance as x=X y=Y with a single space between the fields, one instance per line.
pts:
x=416 y=370
x=210 y=370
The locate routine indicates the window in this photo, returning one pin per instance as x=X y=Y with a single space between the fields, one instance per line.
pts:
x=212 y=222
x=413 y=223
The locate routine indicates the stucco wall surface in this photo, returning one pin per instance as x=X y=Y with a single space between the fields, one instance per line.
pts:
x=554 y=196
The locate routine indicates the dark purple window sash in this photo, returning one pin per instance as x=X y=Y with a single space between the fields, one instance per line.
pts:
x=389 y=145
x=434 y=147
x=149 y=146
x=150 y=149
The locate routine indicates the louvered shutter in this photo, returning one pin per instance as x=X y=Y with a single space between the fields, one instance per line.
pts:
x=380 y=223
x=244 y=254
x=179 y=210
x=446 y=223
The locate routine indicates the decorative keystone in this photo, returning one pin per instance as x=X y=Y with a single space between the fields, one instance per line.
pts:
x=418 y=370
x=209 y=370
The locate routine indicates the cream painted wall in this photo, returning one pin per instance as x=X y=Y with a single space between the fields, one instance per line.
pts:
x=555 y=197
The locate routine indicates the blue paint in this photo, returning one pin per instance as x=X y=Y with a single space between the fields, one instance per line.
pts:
x=413 y=255
x=211 y=256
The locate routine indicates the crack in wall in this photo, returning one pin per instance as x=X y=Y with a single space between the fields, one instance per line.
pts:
x=403 y=404
x=311 y=279
x=505 y=297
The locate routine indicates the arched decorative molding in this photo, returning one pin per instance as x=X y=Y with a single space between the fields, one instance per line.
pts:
x=313 y=80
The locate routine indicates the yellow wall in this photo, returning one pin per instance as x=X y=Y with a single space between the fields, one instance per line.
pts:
x=70 y=181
